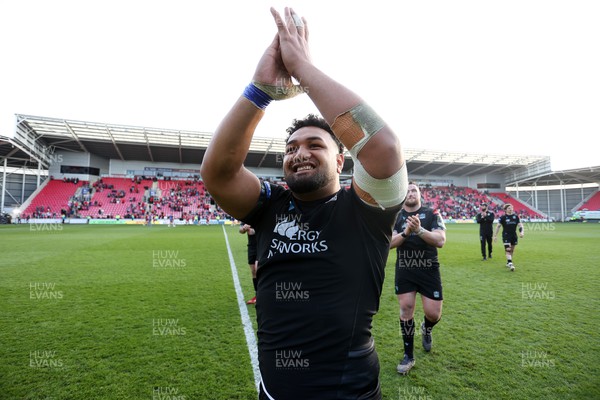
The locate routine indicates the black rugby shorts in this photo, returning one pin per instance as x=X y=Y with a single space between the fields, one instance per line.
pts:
x=427 y=281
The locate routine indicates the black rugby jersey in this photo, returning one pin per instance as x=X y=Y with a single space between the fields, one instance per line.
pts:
x=415 y=249
x=320 y=275
x=485 y=223
x=509 y=224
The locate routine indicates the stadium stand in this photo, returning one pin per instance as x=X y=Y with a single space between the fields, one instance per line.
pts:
x=521 y=208
x=592 y=204
x=455 y=202
x=187 y=199
x=41 y=147
x=112 y=197
x=462 y=203
x=53 y=200
x=137 y=197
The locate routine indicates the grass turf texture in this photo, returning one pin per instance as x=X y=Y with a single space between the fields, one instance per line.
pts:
x=130 y=312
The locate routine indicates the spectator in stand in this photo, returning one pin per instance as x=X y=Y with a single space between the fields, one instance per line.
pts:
x=252 y=256
x=509 y=223
x=485 y=219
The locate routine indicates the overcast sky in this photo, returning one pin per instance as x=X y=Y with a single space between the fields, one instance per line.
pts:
x=503 y=77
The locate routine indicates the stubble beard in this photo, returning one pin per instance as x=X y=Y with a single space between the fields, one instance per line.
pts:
x=306 y=184
x=411 y=202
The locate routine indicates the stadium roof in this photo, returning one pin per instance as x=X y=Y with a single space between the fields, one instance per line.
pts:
x=566 y=177
x=178 y=146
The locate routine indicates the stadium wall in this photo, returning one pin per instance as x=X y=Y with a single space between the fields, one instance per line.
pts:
x=557 y=203
x=463 y=181
x=498 y=179
x=125 y=168
x=18 y=189
x=103 y=164
x=62 y=158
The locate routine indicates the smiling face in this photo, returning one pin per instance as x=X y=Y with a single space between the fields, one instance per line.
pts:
x=312 y=163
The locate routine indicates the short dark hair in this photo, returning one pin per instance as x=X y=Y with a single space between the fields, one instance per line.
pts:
x=316 y=121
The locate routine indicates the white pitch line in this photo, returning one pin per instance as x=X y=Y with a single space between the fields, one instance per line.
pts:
x=248 y=328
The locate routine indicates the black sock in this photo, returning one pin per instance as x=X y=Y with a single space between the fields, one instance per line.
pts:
x=254 y=283
x=429 y=325
x=408 y=336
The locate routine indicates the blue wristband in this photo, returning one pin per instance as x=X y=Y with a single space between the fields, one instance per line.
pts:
x=259 y=98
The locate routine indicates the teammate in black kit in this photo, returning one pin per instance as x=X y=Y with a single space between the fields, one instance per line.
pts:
x=509 y=223
x=485 y=219
x=252 y=255
x=322 y=249
x=418 y=233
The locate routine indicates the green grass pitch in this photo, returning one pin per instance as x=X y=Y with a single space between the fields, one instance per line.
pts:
x=131 y=312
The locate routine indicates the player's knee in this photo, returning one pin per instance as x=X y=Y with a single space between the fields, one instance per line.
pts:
x=433 y=315
x=407 y=311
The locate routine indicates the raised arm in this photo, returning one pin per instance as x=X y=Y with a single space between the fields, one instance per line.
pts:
x=371 y=142
x=479 y=218
x=234 y=187
x=380 y=172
